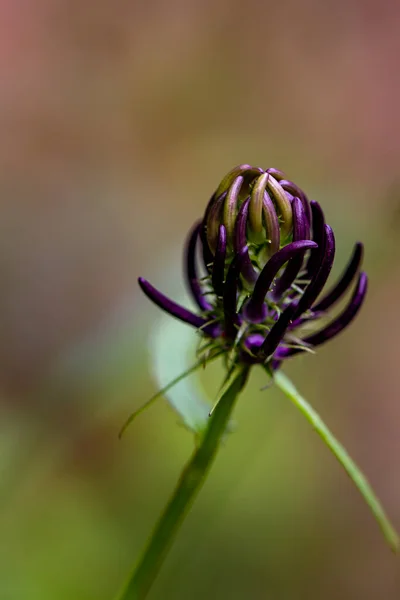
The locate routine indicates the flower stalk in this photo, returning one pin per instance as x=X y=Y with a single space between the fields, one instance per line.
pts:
x=353 y=471
x=189 y=484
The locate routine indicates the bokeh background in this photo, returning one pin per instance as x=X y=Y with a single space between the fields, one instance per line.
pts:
x=118 y=119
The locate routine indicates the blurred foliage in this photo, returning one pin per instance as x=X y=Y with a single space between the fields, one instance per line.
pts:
x=118 y=121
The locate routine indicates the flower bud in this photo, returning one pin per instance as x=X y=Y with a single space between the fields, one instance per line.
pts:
x=267 y=255
x=269 y=220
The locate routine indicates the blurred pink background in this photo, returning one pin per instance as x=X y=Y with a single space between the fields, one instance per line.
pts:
x=118 y=119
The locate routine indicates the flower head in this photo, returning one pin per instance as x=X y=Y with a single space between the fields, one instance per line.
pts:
x=267 y=254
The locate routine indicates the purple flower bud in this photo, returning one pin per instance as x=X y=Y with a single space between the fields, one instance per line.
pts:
x=270 y=212
x=260 y=286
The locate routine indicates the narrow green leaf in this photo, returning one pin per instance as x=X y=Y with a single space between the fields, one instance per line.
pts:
x=159 y=394
x=355 y=474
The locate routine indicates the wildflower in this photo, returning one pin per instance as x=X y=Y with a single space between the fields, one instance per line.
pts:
x=266 y=257
x=267 y=254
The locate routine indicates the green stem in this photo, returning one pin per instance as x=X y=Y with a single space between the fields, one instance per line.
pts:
x=189 y=484
x=365 y=489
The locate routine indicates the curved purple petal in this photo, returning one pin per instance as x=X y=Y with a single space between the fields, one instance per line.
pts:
x=277 y=332
x=318 y=235
x=174 y=309
x=230 y=294
x=218 y=271
x=214 y=217
x=314 y=288
x=345 y=317
x=344 y=281
x=255 y=310
x=191 y=271
x=301 y=231
x=240 y=242
x=301 y=225
x=207 y=254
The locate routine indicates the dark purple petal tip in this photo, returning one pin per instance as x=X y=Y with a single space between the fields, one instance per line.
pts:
x=344 y=282
x=174 y=309
x=345 y=317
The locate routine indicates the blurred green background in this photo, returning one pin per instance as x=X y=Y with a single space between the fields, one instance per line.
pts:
x=118 y=119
